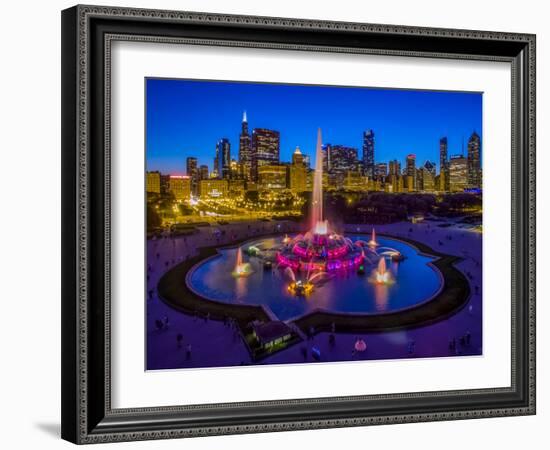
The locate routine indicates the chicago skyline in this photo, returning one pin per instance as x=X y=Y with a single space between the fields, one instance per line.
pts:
x=188 y=122
x=258 y=161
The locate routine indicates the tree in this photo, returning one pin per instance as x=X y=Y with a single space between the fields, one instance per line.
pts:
x=153 y=218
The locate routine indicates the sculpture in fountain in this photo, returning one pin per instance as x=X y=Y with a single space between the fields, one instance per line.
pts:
x=381 y=275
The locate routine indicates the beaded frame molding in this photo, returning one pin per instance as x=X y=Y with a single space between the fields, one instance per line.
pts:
x=87 y=35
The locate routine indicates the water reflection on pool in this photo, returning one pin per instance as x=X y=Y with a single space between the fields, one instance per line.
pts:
x=415 y=282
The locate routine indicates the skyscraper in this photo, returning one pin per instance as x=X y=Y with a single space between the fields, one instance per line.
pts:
x=458 y=173
x=203 y=172
x=474 y=161
x=245 y=148
x=223 y=158
x=265 y=149
x=298 y=172
x=342 y=158
x=193 y=173
x=428 y=178
x=430 y=167
x=381 y=171
x=368 y=153
x=411 y=172
x=325 y=152
x=395 y=168
x=337 y=160
x=443 y=165
x=297 y=157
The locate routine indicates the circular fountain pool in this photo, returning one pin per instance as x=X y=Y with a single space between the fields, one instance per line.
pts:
x=344 y=291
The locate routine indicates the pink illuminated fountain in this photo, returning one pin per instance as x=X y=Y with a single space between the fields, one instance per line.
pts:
x=319 y=249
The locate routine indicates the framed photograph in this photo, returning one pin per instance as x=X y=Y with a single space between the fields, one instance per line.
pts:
x=282 y=224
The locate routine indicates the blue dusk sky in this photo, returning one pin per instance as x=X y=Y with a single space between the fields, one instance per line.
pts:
x=187 y=117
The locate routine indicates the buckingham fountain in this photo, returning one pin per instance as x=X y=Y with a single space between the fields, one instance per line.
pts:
x=322 y=250
x=321 y=266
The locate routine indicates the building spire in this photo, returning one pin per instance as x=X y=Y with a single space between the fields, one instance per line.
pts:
x=244 y=117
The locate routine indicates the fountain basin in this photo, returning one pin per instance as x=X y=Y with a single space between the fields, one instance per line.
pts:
x=416 y=281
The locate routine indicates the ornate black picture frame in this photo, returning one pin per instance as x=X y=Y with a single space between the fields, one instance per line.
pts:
x=87 y=34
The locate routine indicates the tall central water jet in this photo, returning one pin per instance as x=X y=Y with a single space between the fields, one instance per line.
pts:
x=318 y=225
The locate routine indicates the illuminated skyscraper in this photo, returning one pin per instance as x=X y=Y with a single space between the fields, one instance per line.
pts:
x=325 y=149
x=428 y=178
x=474 y=161
x=342 y=158
x=339 y=159
x=192 y=172
x=430 y=167
x=381 y=171
x=223 y=159
x=458 y=173
x=368 y=153
x=395 y=168
x=411 y=172
x=245 y=148
x=298 y=172
x=265 y=149
x=297 y=157
x=443 y=165
x=203 y=172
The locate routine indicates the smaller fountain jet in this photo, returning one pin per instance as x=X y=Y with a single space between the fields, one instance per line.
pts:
x=381 y=275
x=241 y=269
x=372 y=241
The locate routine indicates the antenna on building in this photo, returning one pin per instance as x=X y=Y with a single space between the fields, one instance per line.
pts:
x=244 y=117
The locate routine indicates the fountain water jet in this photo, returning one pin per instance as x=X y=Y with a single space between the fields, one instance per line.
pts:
x=318 y=225
x=381 y=275
x=241 y=269
x=372 y=241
